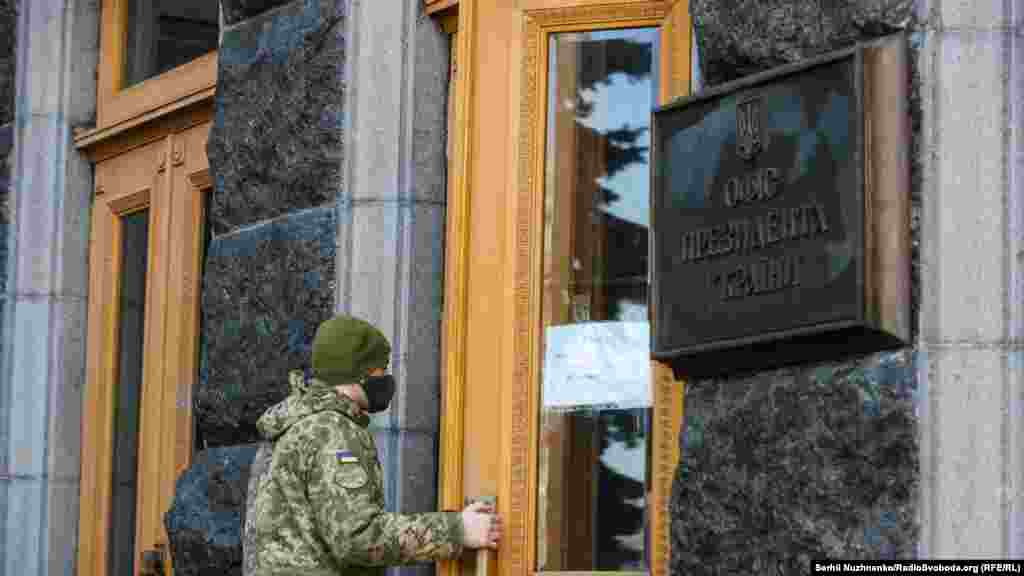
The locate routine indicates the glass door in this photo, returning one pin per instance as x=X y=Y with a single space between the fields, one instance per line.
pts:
x=127 y=393
x=595 y=398
x=550 y=400
x=146 y=241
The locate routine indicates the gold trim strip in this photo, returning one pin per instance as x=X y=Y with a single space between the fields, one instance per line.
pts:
x=452 y=458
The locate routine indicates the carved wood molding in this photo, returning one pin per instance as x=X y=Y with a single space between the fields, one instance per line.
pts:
x=434 y=6
x=201 y=180
x=598 y=16
x=539 y=24
x=523 y=420
x=668 y=411
x=126 y=203
x=178 y=151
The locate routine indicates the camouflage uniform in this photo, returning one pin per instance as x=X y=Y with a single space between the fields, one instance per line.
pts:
x=318 y=504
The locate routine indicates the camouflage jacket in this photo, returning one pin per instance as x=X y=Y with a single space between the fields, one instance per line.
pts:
x=316 y=501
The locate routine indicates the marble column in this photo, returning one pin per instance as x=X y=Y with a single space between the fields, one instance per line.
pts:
x=392 y=223
x=971 y=372
x=42 y=366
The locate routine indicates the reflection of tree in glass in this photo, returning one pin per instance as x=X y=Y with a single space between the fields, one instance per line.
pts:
x=620 y=521
x=620 y=515
x=599 y=60
x=619 y=518
x=599 y=63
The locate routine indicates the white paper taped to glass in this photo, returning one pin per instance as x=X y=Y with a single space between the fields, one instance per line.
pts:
x=597 y=365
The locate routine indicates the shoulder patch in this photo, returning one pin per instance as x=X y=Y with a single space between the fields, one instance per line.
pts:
x=345 y=456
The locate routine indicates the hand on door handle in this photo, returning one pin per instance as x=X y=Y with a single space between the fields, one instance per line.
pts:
x=153 y=562
x=482 y=526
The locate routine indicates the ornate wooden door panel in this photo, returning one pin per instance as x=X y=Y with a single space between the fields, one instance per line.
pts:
x=534 y=252
x=145 y=257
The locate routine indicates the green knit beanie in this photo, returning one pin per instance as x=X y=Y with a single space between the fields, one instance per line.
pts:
x=345 y=349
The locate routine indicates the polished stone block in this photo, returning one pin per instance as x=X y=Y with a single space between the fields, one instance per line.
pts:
x=266 y=288
x=970 y=435
x=392 y=254
x=25 y=537
x=276 y=142
x=964 y=149
x=417 y=472
x=397 y=111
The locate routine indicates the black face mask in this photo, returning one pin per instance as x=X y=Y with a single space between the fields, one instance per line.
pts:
x=379 y=390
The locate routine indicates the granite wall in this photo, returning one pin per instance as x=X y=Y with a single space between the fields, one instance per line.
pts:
x=8 y=37
x=269 y=274
x=8 y=21
x=812 y=461
x=275 y=154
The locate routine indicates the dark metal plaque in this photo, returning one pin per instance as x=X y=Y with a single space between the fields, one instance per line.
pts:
x=770 y=221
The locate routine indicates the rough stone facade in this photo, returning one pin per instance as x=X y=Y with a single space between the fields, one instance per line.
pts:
x=275 y=153
x=209 y=502
x=265 y=290
x=8 y=38
x=269 y=276
x=740 y=37
x=275 y=146
x=813 y=461
x=6 y=146
x=788 y=466
x=238 y=10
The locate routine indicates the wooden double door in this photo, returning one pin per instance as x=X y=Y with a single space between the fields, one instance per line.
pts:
x=146 y=244
x=551 y=403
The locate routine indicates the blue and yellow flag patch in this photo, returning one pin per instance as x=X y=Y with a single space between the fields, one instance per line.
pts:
x=345 y=456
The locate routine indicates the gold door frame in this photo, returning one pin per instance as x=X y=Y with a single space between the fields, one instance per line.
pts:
x=518 y=397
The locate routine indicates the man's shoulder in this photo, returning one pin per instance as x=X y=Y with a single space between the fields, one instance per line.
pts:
x=325 y=429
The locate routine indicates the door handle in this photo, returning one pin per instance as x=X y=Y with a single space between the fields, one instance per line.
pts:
x=483 y=556
x=153 y=562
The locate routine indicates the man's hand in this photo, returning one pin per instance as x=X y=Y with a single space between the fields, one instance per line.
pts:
x=481 y=527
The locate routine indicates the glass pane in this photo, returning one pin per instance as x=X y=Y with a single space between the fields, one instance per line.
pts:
x=596 y=392
x=127 y=391
x=164 y=34
x=198 y=442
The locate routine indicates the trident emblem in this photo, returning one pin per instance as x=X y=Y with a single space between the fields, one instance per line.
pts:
x=748 y=127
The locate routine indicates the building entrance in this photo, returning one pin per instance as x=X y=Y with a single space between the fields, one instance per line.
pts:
x=551 y=401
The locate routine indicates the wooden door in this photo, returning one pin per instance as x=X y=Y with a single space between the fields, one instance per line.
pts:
x=146 y=246
x=550 y=402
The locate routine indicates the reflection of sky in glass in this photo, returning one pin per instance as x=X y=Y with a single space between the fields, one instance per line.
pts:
x=626 y=103
x=700 y=146
x=786 y=118
x=627 y=461
x=623 y=103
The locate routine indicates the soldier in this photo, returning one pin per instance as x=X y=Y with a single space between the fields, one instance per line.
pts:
x=316 y=497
